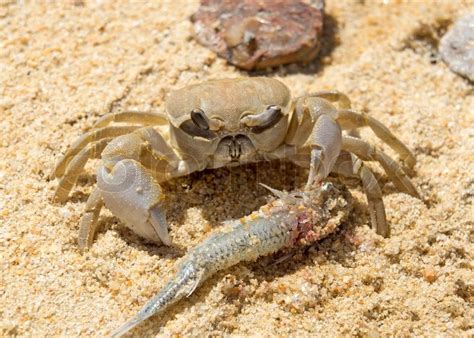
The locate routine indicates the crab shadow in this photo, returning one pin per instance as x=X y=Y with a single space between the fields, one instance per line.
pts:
x=231 y=193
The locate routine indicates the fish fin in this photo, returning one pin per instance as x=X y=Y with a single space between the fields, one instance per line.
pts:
x=277 y=193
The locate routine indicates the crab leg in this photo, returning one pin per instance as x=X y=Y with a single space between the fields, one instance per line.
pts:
x=293 y=219
x=334 y=96
x=75 y=166
x=84 y=140
x=143 y=118
x=88 y=226
x=349 y=119
x=148 y=147
x=368 y=152
x=350 y=165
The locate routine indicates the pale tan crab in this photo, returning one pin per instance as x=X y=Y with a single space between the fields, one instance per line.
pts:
x=222 y=123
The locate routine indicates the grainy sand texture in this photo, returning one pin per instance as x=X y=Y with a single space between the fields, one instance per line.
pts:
x=64 y=64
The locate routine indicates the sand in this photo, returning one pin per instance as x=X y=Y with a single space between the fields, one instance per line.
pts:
x=63 y=65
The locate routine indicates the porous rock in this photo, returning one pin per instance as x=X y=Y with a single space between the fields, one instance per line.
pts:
x=256 y=34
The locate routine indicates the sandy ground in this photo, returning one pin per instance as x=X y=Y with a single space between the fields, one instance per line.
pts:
x=64 y=65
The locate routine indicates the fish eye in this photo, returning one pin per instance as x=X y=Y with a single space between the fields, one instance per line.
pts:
x=198 y=126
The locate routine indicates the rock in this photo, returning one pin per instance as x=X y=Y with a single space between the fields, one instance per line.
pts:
x=457 y=47
x=256 y=34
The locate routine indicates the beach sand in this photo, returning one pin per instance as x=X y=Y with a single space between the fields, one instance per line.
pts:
x=63 y=65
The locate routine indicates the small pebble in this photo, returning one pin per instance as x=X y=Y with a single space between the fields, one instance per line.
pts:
x=429 y=274
x=65 y=212
x=457 y=47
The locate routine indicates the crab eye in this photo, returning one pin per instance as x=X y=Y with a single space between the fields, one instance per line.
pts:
x=200 y=119
x=198 y=126
x=268 y=118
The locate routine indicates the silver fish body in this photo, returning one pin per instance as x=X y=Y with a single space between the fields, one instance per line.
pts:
x=293 y=219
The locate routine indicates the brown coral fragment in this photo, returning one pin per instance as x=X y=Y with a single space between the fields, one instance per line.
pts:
x=256 y=34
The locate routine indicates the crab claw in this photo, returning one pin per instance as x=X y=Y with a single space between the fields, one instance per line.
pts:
x=132 y=194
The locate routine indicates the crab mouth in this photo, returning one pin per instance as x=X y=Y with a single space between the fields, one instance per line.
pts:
x=235 y=147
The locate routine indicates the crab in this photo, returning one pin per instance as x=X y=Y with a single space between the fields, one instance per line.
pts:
x=221 y=123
